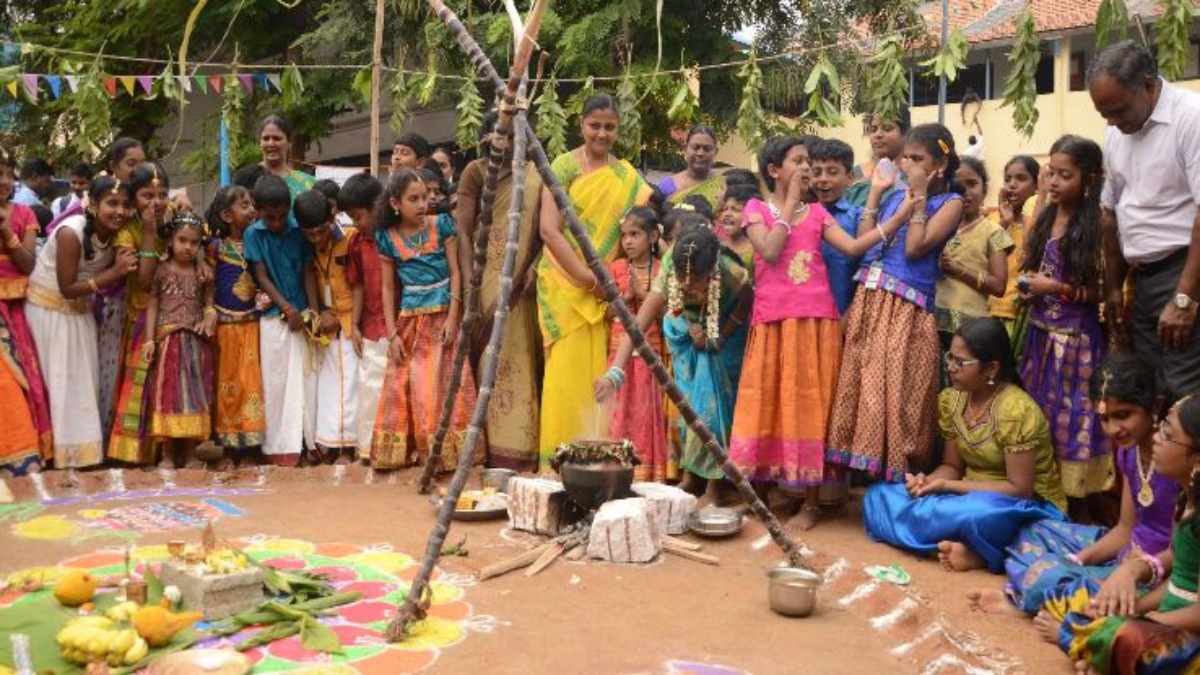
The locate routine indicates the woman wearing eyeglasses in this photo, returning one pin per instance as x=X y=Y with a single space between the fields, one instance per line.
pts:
x=998 y=473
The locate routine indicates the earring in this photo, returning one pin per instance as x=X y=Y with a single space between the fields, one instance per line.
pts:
x=991 y=381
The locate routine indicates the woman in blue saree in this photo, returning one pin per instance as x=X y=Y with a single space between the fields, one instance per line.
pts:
x=998 y=473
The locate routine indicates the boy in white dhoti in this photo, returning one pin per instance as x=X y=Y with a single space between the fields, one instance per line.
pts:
x=337 y=361
x=368 y=331
x=277 y=249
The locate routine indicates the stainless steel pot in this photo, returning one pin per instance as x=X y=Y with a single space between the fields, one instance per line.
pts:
x=792 y=591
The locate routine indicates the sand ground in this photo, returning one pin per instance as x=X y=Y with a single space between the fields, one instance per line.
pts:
x=591 y=617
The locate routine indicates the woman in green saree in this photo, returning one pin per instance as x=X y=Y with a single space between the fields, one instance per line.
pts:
x=571 y=308
x=698 y=178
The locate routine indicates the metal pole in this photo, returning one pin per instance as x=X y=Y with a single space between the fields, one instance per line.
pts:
x=223 y=135
x=942 y=78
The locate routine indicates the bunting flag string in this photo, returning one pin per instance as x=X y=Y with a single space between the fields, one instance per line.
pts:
x=29 y=86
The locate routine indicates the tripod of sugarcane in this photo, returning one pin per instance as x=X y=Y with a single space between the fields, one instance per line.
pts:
x=523 y=141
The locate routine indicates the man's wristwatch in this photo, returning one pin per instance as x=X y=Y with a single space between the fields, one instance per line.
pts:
x=1184 y=301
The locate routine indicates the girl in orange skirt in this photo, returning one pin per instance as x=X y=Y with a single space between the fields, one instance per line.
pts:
x=639 y=414
x=182 y=318
x=419 y=251
x=794 y=350
x=239 y=422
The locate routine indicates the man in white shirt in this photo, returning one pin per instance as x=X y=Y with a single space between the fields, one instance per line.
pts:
x=1151 y=217
x=37 y=180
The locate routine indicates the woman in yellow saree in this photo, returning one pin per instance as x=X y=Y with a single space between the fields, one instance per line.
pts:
x=570 y=305
x=699 y=152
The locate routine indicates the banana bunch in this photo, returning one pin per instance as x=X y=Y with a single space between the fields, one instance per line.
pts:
x=34 y=577
x=122 y=611
x=225 y=561
x=87 y=639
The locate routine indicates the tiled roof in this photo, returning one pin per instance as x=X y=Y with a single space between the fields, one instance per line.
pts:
x=989 y=20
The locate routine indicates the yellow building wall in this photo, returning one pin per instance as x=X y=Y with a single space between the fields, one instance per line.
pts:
x=1059 y=113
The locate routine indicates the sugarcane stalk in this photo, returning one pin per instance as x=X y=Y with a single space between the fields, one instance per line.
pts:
x=472 y=313
x=414 y=607
x=611 y=294
x=413 y=610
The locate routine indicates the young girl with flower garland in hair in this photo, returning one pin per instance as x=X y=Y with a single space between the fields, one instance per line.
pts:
x=418 y=251
x=1015 y=213
x=1060 y=282
x=238 y=422
x=638 y=413
x=1157 y=633
x=884 y=411
x=1051 y=554
x=77 y=262
x=28 y=440
x=182 y=317
x=149 y=185
x=794 y=351
x=707 y=296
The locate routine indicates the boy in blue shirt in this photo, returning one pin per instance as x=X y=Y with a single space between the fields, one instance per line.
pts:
x=279 y=254
x=831 y=162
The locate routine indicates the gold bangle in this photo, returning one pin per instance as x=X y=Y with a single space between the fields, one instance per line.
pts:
x=979 y=280
x=91 y=282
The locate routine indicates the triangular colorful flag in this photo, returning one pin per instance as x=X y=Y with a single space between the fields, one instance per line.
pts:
x=273 y=78
x=247 y=81
x=127 y=82
x=72 y=82
x=147 y=82
x=110 y=85
x=12 y=88
x=261 y=80
x=55 y=83
x=31 y=86
x=216 y=82
x=202 y=82
x=185 y=83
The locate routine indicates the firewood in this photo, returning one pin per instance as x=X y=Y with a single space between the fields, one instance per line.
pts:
x=551 y=554
x=681 y=543
x=515 y=563
x=684 y=552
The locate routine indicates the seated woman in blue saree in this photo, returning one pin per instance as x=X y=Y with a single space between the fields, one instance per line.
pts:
x=1159 y=633
x=1050 y=555
x=998 y=473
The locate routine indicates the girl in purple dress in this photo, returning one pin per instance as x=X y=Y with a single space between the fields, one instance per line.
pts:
x=1061 y=284
x=1050 y=555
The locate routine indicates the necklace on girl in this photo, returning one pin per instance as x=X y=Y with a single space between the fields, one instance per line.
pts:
x=1145 y=495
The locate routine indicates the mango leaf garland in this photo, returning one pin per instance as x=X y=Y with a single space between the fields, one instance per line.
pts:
x=361 y=86
x=91 y=103
x=629 y=142
x=427 y=87
x=232 y=106
x=1112 y=22
x=551 y=119
x=685 y=107
x=292 y=88
x=1172 y=38
x=751 y=120
x=1020 y=90
x=470 y=114
x=887 y=78
x=575 y=102
x=950 y=58
x=822 y=80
